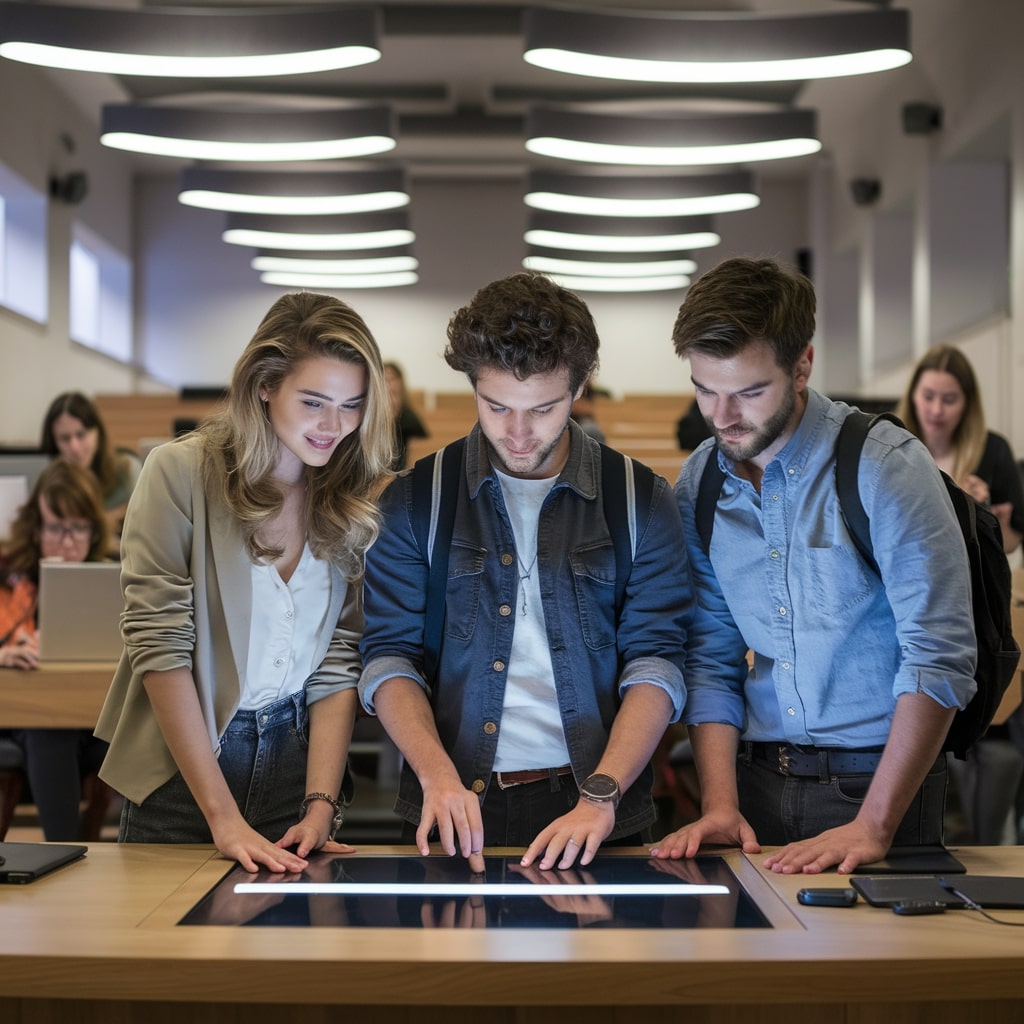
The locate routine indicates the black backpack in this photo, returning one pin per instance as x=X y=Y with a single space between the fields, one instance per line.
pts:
x=991 y=581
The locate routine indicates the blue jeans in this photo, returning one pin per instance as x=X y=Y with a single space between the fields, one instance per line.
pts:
x=784 y=809
x=263 y=758
x=516 y=815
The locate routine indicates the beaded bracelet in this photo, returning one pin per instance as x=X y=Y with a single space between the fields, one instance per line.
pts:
x=339 y=811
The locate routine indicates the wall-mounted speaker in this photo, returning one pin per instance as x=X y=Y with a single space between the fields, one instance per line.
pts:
x=865 y=191
x=921 y=118
x=72 y=188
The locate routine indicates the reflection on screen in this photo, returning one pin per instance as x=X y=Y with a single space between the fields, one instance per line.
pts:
x=611 y=892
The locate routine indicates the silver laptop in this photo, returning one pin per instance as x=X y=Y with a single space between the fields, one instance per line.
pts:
x=80 y=606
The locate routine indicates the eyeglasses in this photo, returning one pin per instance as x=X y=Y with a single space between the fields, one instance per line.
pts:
x=58 y=531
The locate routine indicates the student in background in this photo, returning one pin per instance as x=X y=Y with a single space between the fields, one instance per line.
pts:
x=942 y=406
x=407 y=422
x=74 y=431
x=63 y=518
x=230 y=715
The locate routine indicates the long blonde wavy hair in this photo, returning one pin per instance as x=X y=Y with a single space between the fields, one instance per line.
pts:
x=242 y=449
x=971 y=432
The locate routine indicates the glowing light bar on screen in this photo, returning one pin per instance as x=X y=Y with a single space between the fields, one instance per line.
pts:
x=482 y=889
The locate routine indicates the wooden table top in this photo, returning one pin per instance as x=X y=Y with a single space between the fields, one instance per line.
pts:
x=108 y=924
x=57 y=695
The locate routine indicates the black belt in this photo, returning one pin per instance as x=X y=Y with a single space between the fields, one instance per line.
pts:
x=818 y=762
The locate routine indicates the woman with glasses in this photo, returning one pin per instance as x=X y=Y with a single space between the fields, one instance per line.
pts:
x=74 y=431
x=230 y=714
x=63 y=519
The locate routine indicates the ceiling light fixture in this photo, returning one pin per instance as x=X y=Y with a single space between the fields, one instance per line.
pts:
x=325 y=234
x=607 y=265
x=620 y=235
x=340 y=282
x=296 y=192
x=699 y=47
x=196 y=133
x=609 y=196
x=304 y=263
x=671 y=139
x=662 y=283
x=221 y=43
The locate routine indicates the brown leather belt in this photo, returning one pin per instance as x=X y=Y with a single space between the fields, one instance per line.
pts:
x=507 y=779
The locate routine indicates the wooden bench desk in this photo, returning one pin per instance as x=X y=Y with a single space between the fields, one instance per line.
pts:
x=57 y=695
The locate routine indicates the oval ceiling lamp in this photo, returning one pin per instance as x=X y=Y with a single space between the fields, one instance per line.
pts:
x=328 y=264
x=665 y=283
x=340 y=282
x=295 y=192
x=203 y=133
x=325 y=234
x=699 y=47
x=671 y=140
x=190 y=43
x=620 y=235
x=622 y=196
x=615 y=265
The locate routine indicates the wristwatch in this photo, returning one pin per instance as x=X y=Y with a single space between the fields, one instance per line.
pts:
x=601 y=789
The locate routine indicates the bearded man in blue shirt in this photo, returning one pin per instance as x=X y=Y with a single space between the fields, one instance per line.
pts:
x=829 y=742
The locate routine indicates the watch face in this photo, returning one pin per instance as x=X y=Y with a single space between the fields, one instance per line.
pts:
x=600 y=787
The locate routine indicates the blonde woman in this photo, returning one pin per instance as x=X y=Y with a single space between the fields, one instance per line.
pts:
x=230 y=715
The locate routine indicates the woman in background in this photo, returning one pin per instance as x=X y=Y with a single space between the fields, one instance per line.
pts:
x=74 y=431
x=231 y=712
x=942 y=406
x=407 y=422
x=63 y=518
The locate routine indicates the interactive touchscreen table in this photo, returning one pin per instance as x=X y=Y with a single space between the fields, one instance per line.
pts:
x=401 y=891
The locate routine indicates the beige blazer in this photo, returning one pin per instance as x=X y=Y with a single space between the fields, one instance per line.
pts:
x=187 y=586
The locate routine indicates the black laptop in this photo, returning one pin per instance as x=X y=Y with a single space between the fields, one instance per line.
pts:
x=25 y=862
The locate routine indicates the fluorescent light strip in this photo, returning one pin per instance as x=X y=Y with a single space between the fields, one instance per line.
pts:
x=787 y=70
x=341 y=242
x=483 y=888
x=204 y=149
x=584 y=268
x=597 y=206
x=671 y=156
x=620 y=243
x=155 y=65
x=661 y=283
x=235 y=202
x=375 y=280
x=293 y=265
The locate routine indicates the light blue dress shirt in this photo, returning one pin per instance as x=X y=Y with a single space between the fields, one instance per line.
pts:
x=834 y=644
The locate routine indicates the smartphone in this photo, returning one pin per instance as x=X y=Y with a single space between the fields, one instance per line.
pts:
x=827 y=897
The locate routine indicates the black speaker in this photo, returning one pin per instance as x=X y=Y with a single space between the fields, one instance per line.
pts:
x=70 y=189
x=865 y=191
x=921 y=118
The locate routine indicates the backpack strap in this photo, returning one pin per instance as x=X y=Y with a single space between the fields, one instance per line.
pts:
x=435 y=491
x=621 y=477
x=708 y=490
x=849 y=445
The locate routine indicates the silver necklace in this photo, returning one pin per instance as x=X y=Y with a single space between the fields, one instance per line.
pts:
x=525 y=575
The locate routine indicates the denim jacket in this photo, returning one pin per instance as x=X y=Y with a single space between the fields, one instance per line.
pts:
x=594 y=658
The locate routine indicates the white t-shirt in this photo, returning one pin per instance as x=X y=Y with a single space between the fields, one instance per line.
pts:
x=531 y=734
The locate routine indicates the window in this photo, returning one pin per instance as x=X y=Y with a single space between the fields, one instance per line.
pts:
x=100 y=286
x=23 y=276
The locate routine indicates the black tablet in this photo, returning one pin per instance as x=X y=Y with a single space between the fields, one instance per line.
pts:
x=25 y=862
x=992 y=892
x=914 y=860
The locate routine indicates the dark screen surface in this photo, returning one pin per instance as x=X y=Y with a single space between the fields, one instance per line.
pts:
x=344 y=907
